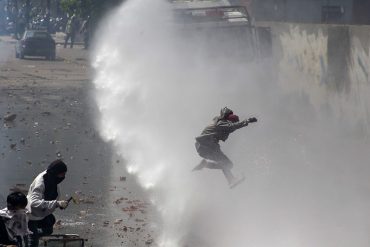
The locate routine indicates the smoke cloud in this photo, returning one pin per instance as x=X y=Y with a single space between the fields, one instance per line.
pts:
x=158 y=84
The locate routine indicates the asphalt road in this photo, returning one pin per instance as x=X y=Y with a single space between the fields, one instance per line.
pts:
x=55 y=118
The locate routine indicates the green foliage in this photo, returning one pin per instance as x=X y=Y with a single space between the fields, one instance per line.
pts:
x=83 y=8
x=70 y=6
x=96 y=9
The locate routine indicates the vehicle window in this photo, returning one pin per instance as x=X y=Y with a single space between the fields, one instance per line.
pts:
x=28 y=34
x=31 y=34
x=40 y=35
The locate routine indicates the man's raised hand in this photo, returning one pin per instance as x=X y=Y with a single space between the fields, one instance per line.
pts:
x=62 y=204
x=252 y=120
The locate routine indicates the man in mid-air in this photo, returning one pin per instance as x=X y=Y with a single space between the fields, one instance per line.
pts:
x=208 y=147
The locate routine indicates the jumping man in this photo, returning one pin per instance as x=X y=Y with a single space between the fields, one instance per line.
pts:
x=208 y=147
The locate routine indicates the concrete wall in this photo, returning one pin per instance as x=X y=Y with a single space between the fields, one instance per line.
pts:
x=305 y=11
x=361 y=10
x=328 y=64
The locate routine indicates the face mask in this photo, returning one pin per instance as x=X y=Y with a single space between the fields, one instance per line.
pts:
x=59 y=180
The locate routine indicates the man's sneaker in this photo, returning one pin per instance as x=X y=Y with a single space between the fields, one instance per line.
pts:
x=201 y=165
x=236 y=182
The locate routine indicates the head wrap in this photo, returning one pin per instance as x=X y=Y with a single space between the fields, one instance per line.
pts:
x=233 y=118
x=51 y=179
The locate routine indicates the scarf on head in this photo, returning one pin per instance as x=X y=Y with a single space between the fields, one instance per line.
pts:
x=51 y=180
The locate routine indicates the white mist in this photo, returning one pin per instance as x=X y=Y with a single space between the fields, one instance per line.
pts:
x=157 y=88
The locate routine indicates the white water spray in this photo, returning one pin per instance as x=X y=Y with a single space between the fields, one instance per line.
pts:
x=157 y=87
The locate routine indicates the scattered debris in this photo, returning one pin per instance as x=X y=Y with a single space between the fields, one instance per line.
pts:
x=149 y=241
x=120 y=200
x=118 y=221
x=10 y=117
x=79 y=197
x=82 y=213
x=136 y=206
x=38 y=122
x=46 y=113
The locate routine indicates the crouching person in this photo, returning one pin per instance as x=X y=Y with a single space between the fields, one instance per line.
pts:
x=13 y=221
x=43 y=200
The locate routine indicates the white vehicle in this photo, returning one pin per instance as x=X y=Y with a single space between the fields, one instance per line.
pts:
x=213 y=13
x=225 y=27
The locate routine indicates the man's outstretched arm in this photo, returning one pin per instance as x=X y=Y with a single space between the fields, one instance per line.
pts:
x=230 y=127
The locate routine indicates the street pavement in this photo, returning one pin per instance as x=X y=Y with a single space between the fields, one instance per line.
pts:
x=56 y=118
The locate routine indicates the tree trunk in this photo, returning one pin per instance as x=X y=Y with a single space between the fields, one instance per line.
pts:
x=27 y=12
x=48 y=14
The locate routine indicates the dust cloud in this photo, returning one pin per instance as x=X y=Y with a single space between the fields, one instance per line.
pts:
x=158 y=84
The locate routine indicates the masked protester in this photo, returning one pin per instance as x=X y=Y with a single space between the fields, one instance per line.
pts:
x=13 y=221
x=43 y=200
x=208 y=147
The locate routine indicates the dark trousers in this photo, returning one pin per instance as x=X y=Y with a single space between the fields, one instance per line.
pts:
x=40 y=228
x=213 y=152
x=5 y=240
x=4 y=237
x=69 y=36
x=214 y=158
x=86 y=40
